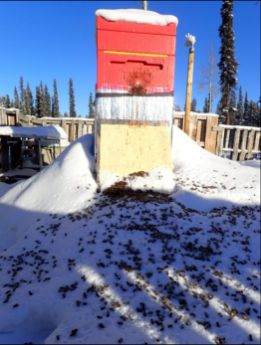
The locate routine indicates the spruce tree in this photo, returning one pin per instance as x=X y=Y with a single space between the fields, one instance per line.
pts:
x=91 y=112
x=257 y=115
x=16 y=98
x=22 y=96
x=37 y=101
x=7 y=102
x=72 y=111
x=227 y=64
x=32 y=103
x=55 y=101
x=194 y=104
x=218 y=108
x=29 y=107
x=251 y=113
x=240 y=108
x=246 y=111
x=206 y=105
x=233 y=106
x=42 y=100
x=47 y=101
x=253 y=118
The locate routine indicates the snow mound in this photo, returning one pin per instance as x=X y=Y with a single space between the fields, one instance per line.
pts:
x=197 y=173
x=64 y=186
x=217 y=179
x=4 y=187
x=137 y=16
x=84 y=268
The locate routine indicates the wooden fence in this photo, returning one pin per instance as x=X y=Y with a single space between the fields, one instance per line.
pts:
x=8 y=117
x=202 y=128
x=73 y=127
x=238 y=142
x=233 y=142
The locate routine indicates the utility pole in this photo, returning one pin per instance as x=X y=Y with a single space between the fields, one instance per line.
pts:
x=190 y=41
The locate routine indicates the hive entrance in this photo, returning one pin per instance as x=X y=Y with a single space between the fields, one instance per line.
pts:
x=138 y=80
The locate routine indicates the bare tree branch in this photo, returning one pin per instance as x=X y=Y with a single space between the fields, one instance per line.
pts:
x=209 y=77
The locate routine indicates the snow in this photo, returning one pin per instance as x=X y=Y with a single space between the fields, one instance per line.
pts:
x=58 y=119
x=252 y=163
x=50 y=132
x=137 y=16
x=194 y=113
x=217 y=179
x=64 y=186
x=159 y=180
x=240 y=127
x=80 y=266
x=4 y=187
x=190 y=40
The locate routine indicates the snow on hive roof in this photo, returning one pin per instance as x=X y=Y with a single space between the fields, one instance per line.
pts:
x=137 y=16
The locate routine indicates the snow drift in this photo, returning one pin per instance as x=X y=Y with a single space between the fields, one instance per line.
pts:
x=83 y=267
x=64 y=186
x=217 y=179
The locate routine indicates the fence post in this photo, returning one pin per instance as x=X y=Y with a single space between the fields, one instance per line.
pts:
x=257 y=142
x=236 y=145
x=220 y=138
x=243 y=145
x=250 y=144
x=211 y=133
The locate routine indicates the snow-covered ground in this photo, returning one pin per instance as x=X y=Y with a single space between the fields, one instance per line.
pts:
x=81 y=266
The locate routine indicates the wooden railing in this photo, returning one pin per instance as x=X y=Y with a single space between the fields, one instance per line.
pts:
x=238 y=142
x=8 y=117
x=202 y=128
x=73 y=127
x=233 y=142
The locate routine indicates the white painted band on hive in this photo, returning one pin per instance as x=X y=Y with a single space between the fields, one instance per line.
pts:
x=137 y=16
x=139 y=108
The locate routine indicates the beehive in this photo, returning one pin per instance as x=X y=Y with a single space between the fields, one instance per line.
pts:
x=134 y=90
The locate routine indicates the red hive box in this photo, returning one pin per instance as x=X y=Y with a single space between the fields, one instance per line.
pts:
x=135 y=58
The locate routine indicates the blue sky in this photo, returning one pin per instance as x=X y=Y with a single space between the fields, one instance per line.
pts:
x=43 y=40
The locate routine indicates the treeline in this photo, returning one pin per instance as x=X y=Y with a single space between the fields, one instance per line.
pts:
x=243 y=111
x=41 y=103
